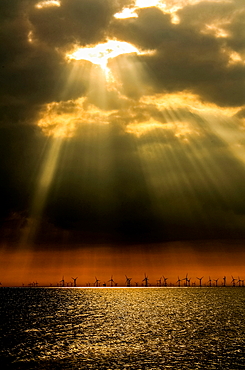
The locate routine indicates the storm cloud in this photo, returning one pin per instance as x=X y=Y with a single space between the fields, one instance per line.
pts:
x=132 y=165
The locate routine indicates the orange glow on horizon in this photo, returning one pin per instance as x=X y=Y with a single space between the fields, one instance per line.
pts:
x=171 y=260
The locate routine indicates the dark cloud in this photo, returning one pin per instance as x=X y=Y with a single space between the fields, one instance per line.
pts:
x=21 y=153
x=81 y=22
x=147 y=31
x=114 y=187
x=112 y=184
x=206 y=13
x=236 y=38
x=184 y=59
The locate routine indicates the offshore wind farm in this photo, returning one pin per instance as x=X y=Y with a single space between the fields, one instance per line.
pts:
x=146 y=283
x=122 y=197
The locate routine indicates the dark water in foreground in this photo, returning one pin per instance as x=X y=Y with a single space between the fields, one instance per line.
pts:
x=122 y=328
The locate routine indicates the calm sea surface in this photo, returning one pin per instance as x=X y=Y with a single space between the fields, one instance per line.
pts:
x=122 y=328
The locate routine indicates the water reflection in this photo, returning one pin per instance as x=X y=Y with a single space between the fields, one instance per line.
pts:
x=140 y=328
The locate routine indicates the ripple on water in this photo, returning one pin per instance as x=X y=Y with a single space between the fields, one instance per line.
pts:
x=155 y=328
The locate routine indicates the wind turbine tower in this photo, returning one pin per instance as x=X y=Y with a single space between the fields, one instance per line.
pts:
x=186 y=280
x=200 y=281
x=128 y=281
x=159 y=282
x=210 y=281
x=178 y=281
x=224 y=278
x=216 y=282
x=233 y=281
x=239 y=281
x=75 y=281
x=165 y=281
x=62 y=282
x=96 y=283
x=111 y=281
x=145 y=280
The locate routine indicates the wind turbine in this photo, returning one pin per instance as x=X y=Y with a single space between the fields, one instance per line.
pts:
x=75 y=281
x=165 y=281
x=233 y=281
x=62 y=281
x=239 y=281
x=186 y=280
x=111 y=281
x=128 y=281
x=159 y=282
x=145 y=280
x=178 y=281
x=210 y=281
x=200 y=281
x=96 y=283
x=216 y=282
x=224 y=278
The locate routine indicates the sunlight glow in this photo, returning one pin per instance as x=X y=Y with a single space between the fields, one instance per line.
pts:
x=30 y=36
x=215 y=30
x=235 y=58
x=61 y=120
x=46 y=177
x=130 y=12
x=126 y=13
x=188 y=100
x=139 y=129
x=100 y=53
x=47 y=3
x=148 y=3
x=179 y=129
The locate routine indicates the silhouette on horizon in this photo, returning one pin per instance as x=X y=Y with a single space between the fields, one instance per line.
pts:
x=63 y=282
x=216 y=282
x=96 y=283
x=210 y=281
x=200 y=281
x=128 y=281
x=111 y=281
x=75 y=281
x=233 y=281
x=145 y=280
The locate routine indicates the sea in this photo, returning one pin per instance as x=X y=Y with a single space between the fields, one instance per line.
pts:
x=122 y=328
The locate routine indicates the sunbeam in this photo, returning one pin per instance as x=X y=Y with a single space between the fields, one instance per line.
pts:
x=45 y=179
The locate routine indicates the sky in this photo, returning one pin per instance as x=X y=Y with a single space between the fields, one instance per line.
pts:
x=122 y=132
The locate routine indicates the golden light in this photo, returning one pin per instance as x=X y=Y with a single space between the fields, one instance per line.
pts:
x=180 y=129
x=61 y=120
x=187 y=100
x=100 y=53
x=139 y=129
x=30 y=37
x=126 y=13
x=235 y=58
x=216 y=30
x=130 y=12
x=149 y=3
x=47 y=3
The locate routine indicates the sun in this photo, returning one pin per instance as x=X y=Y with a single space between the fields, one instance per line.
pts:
x=100 y=53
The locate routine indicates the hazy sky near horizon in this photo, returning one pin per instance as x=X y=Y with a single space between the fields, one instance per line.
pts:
x=121 y=122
